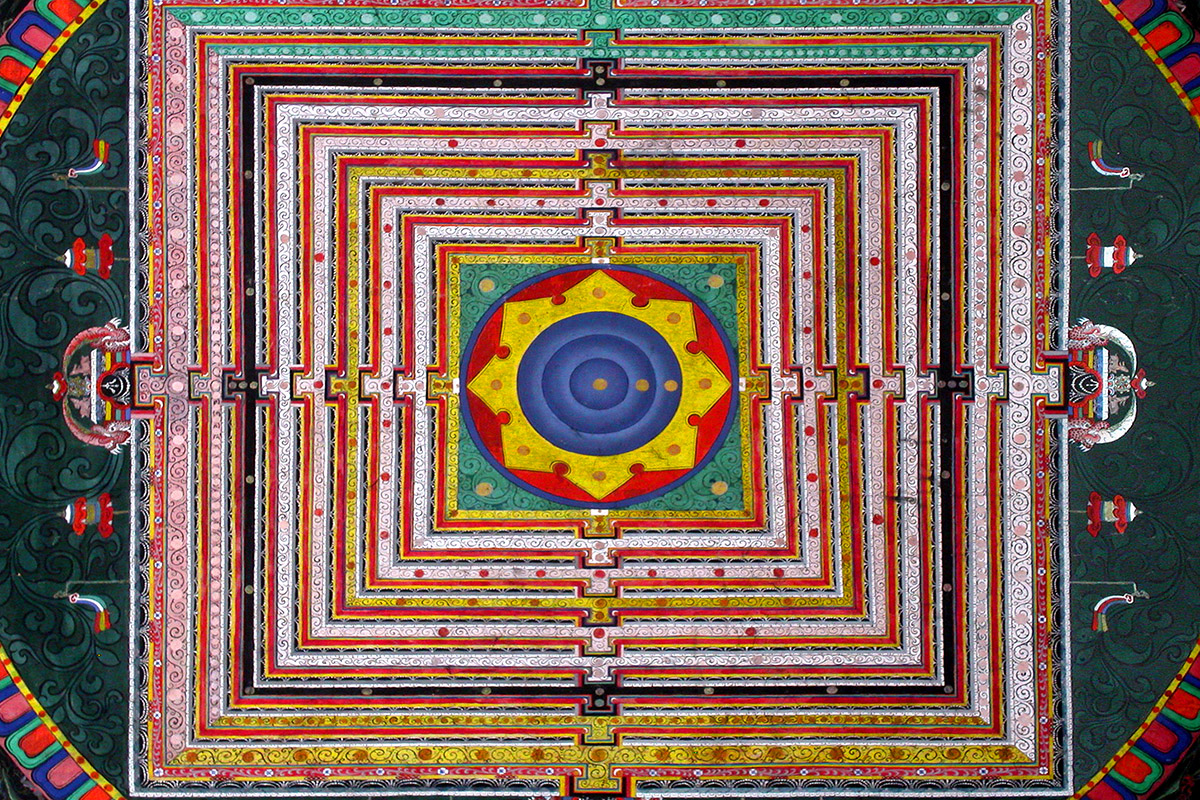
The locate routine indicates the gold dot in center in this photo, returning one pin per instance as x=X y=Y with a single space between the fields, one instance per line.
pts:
x=599 y=476
x=522 y=450
x=673 y=450
x=719 y=487
x=483 y=489
x=642 y=385
x=487 y=285
x=671 y=386
x=705 y=383
x=673 y=318
x=523 y=318
x=716 y=281
x=496 y=386
x=597 y=293
x=599 y=384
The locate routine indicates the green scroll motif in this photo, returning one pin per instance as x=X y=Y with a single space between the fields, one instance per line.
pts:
x=78 y=674
x=1120 y=98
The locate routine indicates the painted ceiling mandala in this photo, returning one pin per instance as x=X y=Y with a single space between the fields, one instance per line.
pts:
x=599 y=398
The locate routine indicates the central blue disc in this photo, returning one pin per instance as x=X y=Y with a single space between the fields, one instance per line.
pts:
x=599 y=383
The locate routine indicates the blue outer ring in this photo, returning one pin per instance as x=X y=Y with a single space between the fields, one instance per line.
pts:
x=469 y=423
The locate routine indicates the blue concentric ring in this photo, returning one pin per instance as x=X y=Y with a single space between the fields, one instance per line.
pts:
x=594 y=383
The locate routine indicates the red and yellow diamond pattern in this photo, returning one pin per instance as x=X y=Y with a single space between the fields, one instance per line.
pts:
x=623 y=422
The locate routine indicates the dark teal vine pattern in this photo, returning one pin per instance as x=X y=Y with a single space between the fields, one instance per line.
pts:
x=79 y=675
x=1120 y=98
